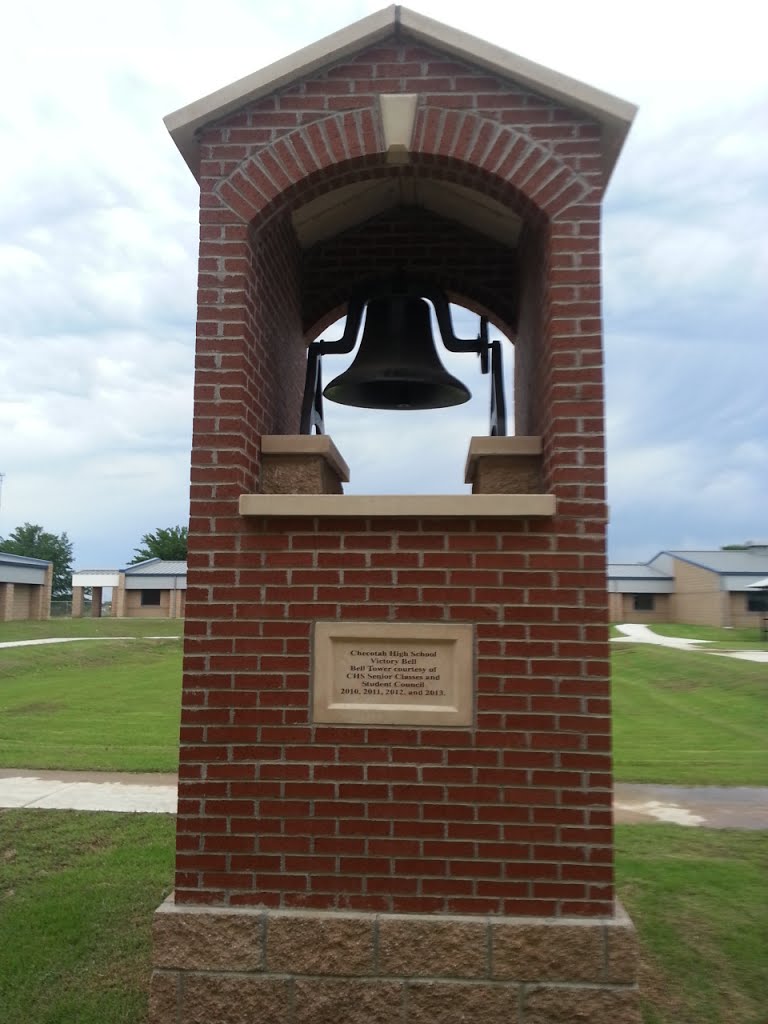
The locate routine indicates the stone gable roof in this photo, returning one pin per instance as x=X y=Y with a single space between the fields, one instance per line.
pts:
x=613 y=114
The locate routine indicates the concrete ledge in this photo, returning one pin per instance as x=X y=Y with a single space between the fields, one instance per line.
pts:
x=297 y=967
x=517 y=444
x=439 y=506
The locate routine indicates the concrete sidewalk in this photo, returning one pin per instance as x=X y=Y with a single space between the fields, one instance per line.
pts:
x=78 y=639
x=639 y=634
x=88 y=791
x=708 y=806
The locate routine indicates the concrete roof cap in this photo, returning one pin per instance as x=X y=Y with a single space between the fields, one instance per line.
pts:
x=614 y=114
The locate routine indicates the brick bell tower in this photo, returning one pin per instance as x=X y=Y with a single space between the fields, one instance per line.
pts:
x=395 y=777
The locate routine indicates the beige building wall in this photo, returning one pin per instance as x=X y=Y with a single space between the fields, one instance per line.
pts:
x=118 y=597
x=661 y=609
x=44 y=594
x=738 y=616
x=616 y=607
x=698 y=599
x=26 y=600
x=171 y=605
x=622 y=609
x=23 y=601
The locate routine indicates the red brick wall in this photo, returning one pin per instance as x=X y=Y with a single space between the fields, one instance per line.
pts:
x=512 y=816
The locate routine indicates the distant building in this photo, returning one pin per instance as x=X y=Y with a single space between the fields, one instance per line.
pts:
x=706 y=588
x=703 y=588
x=25 y=587
x=151 y=589
x=639 y=593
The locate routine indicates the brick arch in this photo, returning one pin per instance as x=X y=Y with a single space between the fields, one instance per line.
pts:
x=491 y=157
x=543 y=182
x=273 y=174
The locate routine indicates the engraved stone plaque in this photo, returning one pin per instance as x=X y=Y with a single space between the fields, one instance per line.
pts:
x=383 y=673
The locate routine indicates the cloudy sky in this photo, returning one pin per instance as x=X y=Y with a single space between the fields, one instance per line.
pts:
x=98 y=245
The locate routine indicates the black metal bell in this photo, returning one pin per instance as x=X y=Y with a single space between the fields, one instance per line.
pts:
x=397 y=365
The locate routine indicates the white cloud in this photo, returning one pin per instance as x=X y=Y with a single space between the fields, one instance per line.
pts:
x=98 y=238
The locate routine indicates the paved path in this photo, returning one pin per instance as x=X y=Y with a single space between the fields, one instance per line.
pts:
x=77 y=639
x=88 y=791
x=639 y=634
x=709 y=806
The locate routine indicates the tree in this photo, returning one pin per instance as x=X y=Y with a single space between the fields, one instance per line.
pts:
x=32 y=541
x=168 y=543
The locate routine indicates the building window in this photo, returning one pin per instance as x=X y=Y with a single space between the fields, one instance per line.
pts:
x=757 y=602
x=643 y=602
x=150 y=597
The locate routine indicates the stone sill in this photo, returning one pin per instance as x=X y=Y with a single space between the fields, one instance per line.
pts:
x=441 y=506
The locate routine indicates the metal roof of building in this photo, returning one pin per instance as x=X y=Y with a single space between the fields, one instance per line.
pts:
x=97 y=572
x=10 y=559
x=635 y=571
x=157 y=567
x=748 y=561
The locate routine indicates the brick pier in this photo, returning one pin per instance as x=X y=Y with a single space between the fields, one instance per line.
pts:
x=344 y=872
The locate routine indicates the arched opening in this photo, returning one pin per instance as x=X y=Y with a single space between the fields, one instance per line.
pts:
x=457 y=232
x=459 y=228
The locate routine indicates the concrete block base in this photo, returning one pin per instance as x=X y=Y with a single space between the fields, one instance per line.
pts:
x=245 y=966
x=504 y=465
x=302 y=464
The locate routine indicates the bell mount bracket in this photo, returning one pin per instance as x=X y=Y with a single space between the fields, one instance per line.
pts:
x=488 y=351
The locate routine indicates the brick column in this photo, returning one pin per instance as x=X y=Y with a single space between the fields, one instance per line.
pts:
x=40 y=601
x=45 y=594
x=6 y=601
x=118 y=597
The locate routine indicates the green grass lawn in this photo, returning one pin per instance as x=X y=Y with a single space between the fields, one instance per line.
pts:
x=102 y=705
x=688 y=718
x=34 y=630
x=78 y=891
x=679 y=716
x=76 y=900
x=699 y=900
